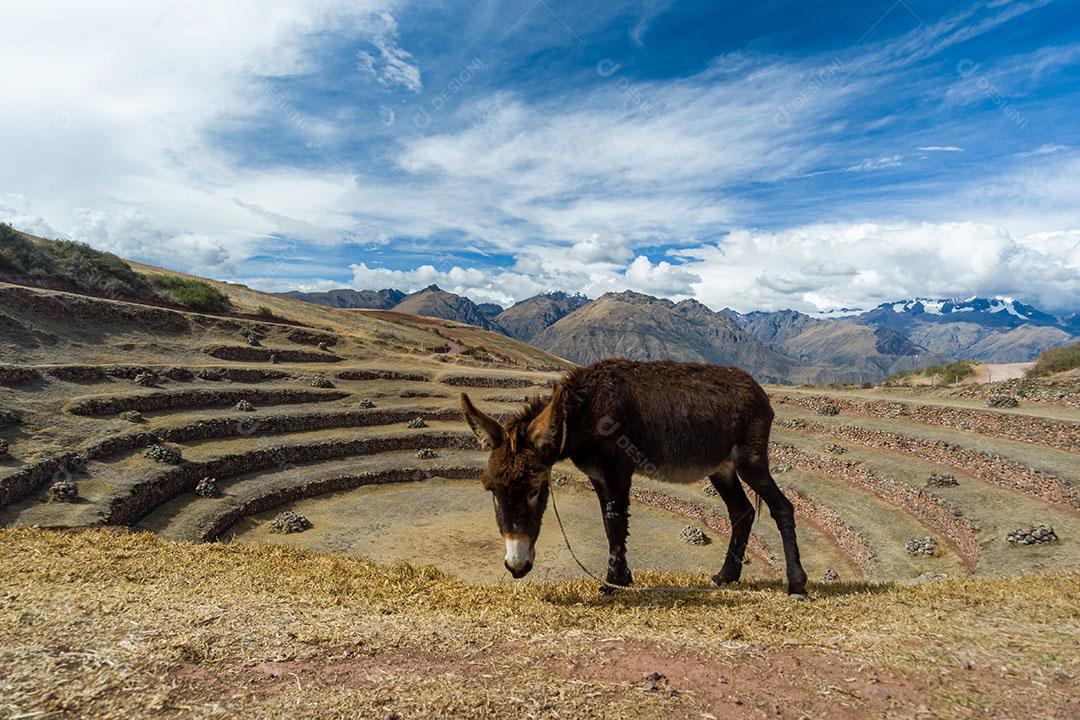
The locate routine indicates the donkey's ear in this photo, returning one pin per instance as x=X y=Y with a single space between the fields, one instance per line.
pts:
x=547 y=432
x=487 y=429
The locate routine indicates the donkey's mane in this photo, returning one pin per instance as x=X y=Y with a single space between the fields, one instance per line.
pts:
x=526 y=414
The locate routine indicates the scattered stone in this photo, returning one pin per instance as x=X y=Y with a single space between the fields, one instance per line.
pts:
x=163 y=454
x=253 y=340
x=694 y=536
x=426 y=454
x=324 y=347
x=5 y=449
x=63 y=491
x=207 y=488
x=922 y=546
x=212 y=374
x=320 y=381
x=1002 y=401
x=290 y=522
x=828 y=409
x=145 y=378
x=835 y=449
x=244 y=406
x=830 y=575
x=273 y=359
x=782 y=468
x=941 y=480
x=132 y=416
x=1036 y=534
x=931 y=577
x=416 y=423
x=709 y=489
x=365 y=404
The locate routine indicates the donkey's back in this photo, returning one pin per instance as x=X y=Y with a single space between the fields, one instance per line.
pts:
x=679 y=421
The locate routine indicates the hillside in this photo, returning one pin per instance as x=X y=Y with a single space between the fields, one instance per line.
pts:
x=527 y=319
x=433 y=301
x=354 y=299
x=646 y=328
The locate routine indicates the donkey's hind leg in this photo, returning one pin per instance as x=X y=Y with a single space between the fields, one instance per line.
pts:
x=752 y=464
x=741 y=514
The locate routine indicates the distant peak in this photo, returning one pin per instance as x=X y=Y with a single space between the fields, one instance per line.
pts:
x=432 y=288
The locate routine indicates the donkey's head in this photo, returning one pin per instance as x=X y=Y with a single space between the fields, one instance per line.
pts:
x=519 y=470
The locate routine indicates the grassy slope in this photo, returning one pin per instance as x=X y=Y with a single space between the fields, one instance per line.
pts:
x=182 y=630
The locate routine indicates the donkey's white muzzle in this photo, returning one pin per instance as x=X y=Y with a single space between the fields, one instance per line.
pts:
x=519 y=555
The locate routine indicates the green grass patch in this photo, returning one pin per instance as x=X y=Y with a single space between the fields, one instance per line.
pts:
x=193 y=294
x=1056 y=360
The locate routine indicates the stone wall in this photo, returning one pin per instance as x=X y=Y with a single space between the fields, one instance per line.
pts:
x=1025 y=428
x=926 y=507
x=985 y=465
x=202 y=398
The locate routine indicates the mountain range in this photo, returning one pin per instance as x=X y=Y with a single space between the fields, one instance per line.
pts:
x=851 y=345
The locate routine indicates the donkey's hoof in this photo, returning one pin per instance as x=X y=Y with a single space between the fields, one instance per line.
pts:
x=722 y=578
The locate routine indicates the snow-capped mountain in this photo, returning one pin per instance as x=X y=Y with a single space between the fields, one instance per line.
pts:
x=1001 y=312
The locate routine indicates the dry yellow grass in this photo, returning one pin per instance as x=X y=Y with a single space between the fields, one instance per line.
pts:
x=106 y=624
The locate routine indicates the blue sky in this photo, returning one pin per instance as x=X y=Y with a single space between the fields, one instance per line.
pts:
x=755 y=156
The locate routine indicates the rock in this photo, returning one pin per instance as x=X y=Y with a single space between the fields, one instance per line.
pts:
x=426 y=454
x=132 y=416
x=828 y=409
x=63 y=491
x=320 y=381
x=274 y=359
x=253 y=340
x=207 y=488
x=941 y=480
x=931 y=577
x=163 y=454
x=365 y=404
x=922 y=546
x=5 y=449
x=180 y=374
x=1002 y=401
x=290 y=522
x=655 y=676
x=694 y=536
x=710 y=489
x=830 y=575
x=145 y=379
x=417 y=423
x=835 y=449
x=244 y=406
x=212 y=374
x=324 y=347
x=1036 y=534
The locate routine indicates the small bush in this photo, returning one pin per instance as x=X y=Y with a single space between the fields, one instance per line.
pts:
x=947 y=374
x=193 y=294
x=1056 y=360
x=263 y=311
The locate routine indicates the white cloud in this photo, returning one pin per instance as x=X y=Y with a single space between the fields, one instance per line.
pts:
x=16 y=212
x=820 y=267
x=390 y=65
x=876 y=164
x=941 y=148
x=112 y=108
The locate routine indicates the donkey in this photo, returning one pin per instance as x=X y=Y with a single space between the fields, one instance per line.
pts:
x=677 y=422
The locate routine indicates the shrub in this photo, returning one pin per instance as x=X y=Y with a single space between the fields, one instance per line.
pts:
x=946 y=374
x=1056 y=360
x=263 y=311
x=68 y=265
x=193 y=294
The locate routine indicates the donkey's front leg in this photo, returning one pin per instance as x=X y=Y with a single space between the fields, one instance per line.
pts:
x=614 y=496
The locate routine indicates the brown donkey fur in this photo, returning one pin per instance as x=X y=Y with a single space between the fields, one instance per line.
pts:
x=677 y=422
